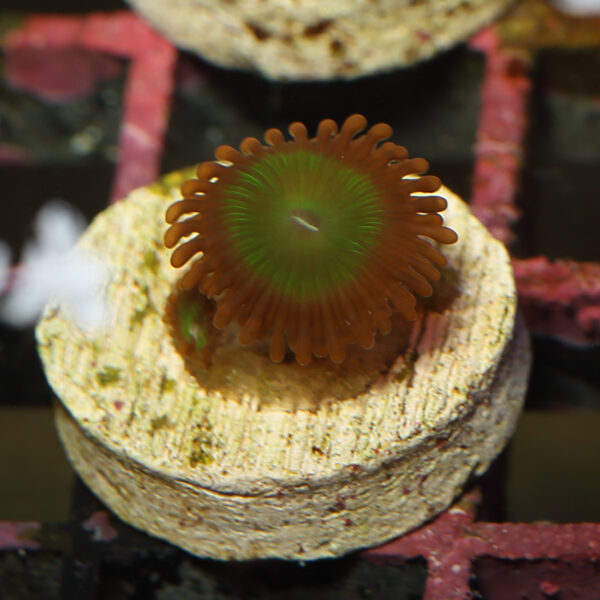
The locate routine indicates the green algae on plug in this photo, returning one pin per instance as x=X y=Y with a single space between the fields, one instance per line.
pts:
x=150 y=261
x=201 y=444
x=158 y=423
x=166 y=184
x=108 y=376
x=139 y=313
x=166 y=384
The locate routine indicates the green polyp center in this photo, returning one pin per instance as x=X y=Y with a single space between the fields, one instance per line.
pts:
x=303 y=221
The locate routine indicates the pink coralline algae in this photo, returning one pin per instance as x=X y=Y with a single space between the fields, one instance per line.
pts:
x=561 y=298
x=81 y=43
x=15 y=535
x=56 y=74
x=453 y=541
x=13 y=155
x=99 y=525
x=502 y=123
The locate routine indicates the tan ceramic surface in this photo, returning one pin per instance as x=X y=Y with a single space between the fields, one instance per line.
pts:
x=316 y=39
x=278 y=464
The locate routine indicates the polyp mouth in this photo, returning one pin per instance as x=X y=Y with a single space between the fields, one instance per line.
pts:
x=306 y=221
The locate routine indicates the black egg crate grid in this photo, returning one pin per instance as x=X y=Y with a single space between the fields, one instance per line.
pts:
x=93 y=554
